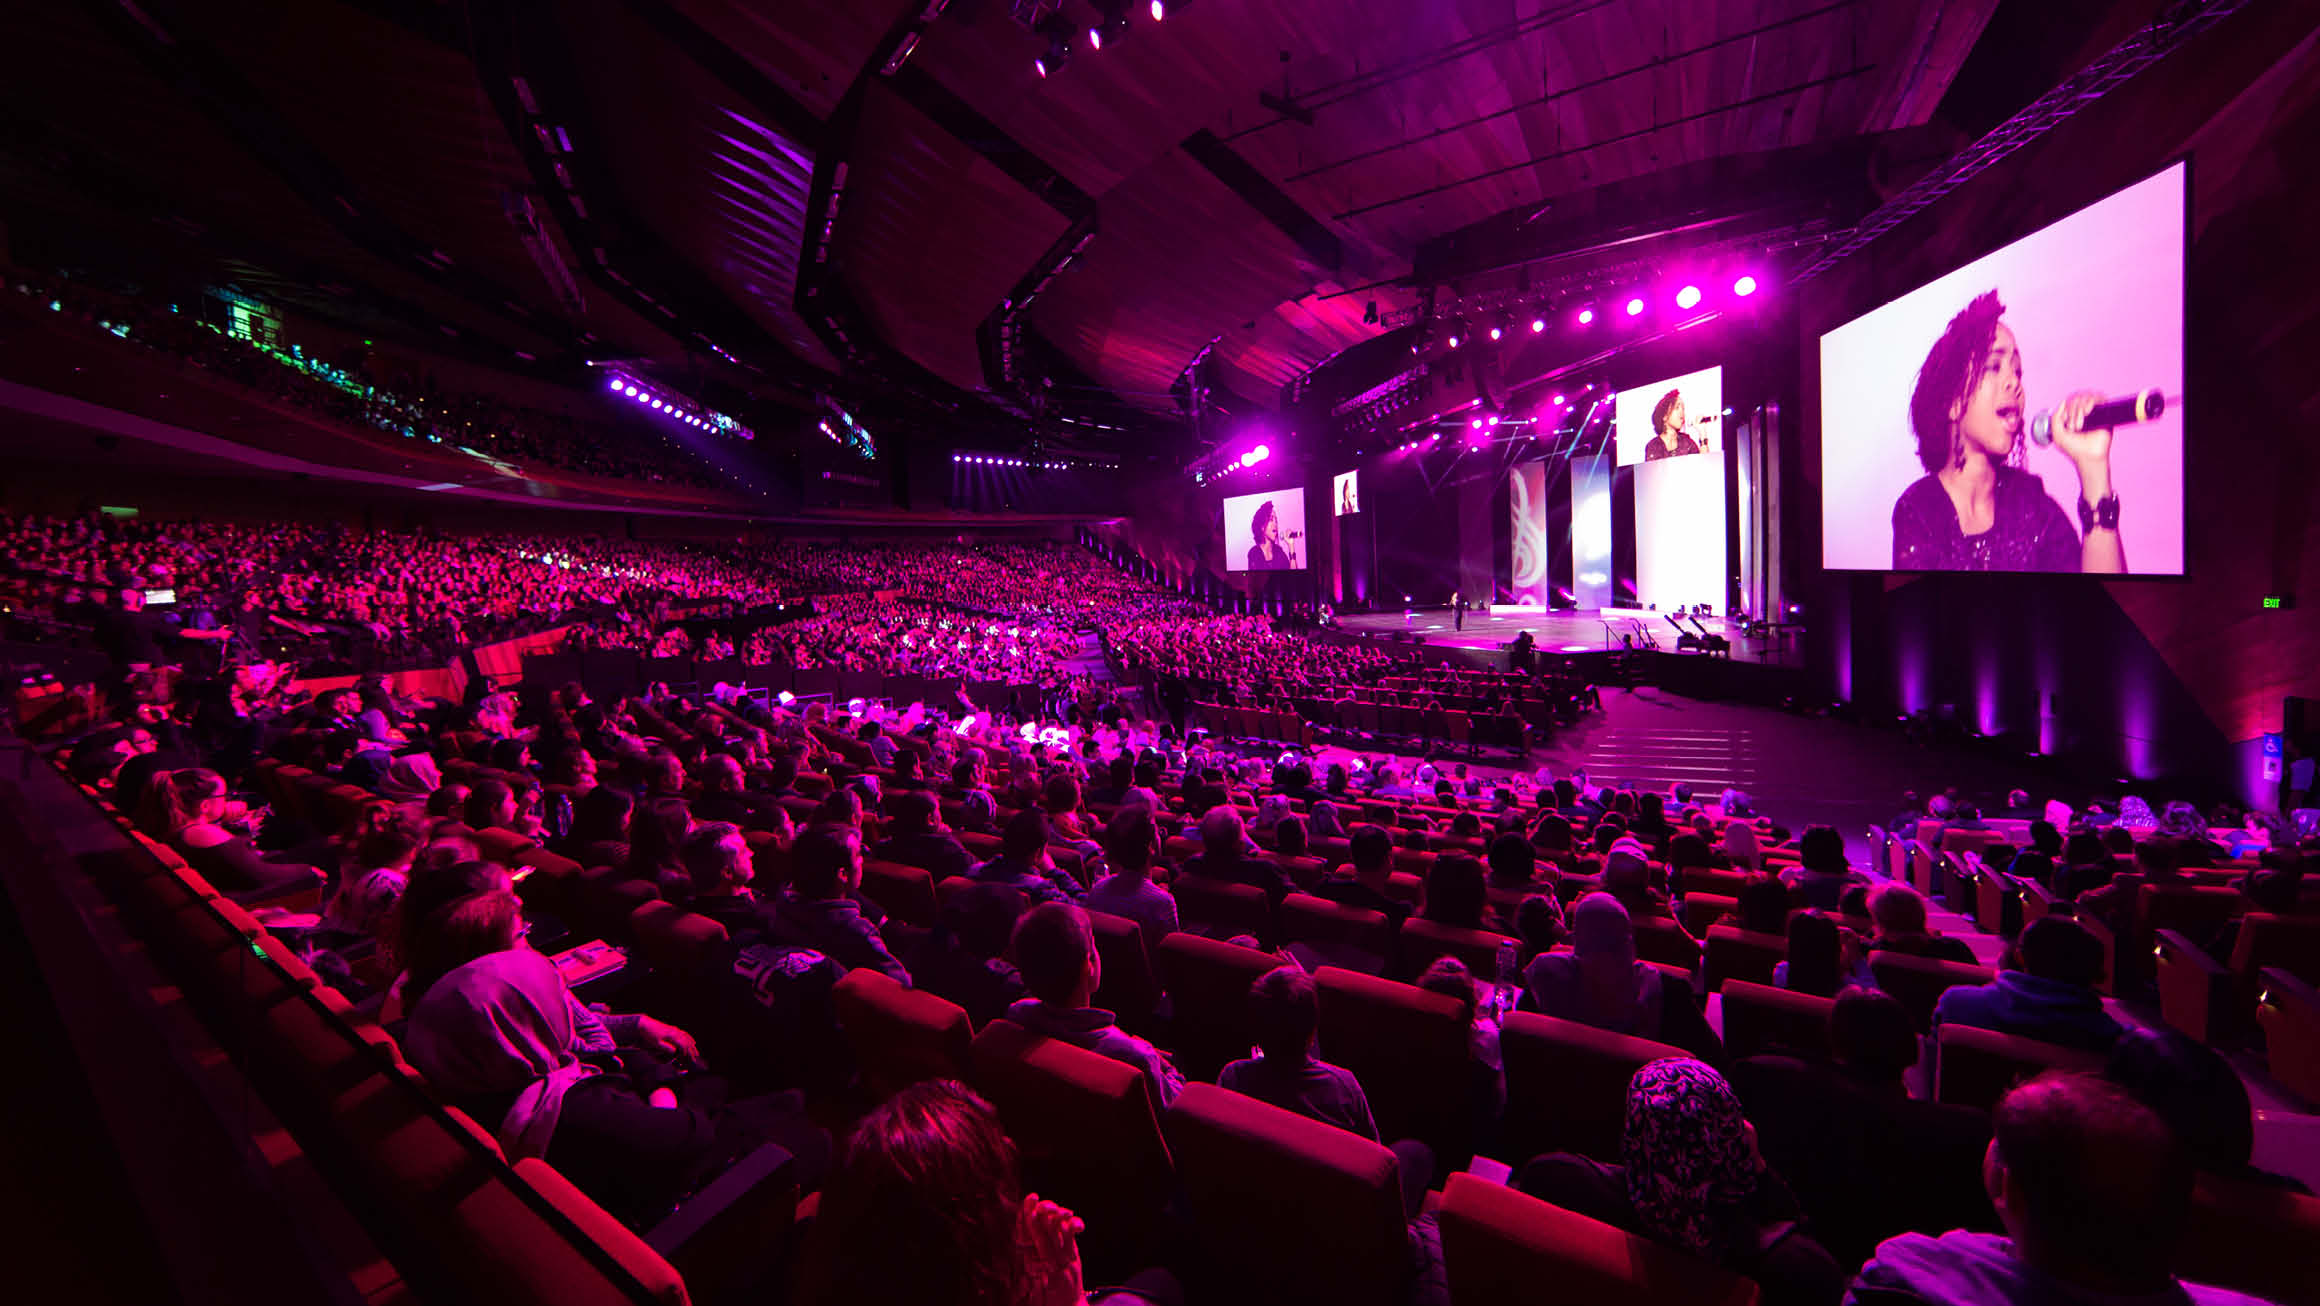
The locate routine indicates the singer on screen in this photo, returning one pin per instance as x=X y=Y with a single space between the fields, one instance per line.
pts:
x=1268 y=553
x=1975 y=509
x=1669 y=438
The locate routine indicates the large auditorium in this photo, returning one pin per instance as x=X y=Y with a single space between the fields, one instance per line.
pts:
x=1160 y=652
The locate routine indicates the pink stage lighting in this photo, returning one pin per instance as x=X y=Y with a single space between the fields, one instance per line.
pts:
x=1558 y=401
x=1262 y=453
x=1538 y=324
x=1453 y=340
x=1586 y=315
x=1159 y=10
x=1495 y=332
x=1634 y=306
x=1688 y=297
x=1477 y=423
x=616 y=383
x=1744 y=287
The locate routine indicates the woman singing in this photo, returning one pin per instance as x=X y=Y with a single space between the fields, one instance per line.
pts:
x=1268 y=553
x=1669 y=439
x=1975 y=509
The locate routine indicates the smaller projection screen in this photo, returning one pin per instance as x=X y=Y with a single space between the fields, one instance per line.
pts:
x=1680 y=416
x=1964 y=424
x=1345 y=491
x=1265 y=532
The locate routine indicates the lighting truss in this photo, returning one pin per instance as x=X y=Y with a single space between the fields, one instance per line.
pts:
x=2175 y=26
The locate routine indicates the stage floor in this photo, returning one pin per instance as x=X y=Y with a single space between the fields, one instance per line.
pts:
x=1586 y=630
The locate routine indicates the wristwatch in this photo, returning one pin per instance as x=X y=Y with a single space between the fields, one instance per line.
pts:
x=2104 y=514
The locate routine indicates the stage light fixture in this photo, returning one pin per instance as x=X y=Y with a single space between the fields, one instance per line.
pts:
x=1262 y=453
x=1688 y=297
x=1453 y=337
x=1634 y=307
x=1058 y=52
x=616 y=383
x=1477 y=423
x=1744 y=287
x=1586 y=316
x=1558 y=401
x=1493 y=420
x=1496 y=331
x=1538 y=324
x=1159 y=10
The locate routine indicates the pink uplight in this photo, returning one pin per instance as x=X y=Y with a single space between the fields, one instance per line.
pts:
x=1744 y=287
x=1634 y=306
x=1688 y=297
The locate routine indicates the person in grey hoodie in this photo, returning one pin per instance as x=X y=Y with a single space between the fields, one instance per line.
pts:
x=1056 y=952
x=2094 y=1193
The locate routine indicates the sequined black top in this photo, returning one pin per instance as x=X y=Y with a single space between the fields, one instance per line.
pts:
x=2029 y=530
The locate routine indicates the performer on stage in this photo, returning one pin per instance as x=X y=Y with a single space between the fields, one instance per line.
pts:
x=1669 y=438
x=1268 y=553
x=1975 y=509
x=1457 y=611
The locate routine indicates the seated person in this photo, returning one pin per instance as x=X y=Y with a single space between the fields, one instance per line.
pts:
x=725 y=796
x=934 y=1170
x=600 y=824
x=1362 y=882
x=1284 y=1013
x=1224 y=855
x=821 y=909
x=1691 y=1178
x=373 y=878
x=1762 y=906
x=1025 y=864
x=1131 y=846
x=718 y=858
x=1457 y=892
x=1056 y=952
x=1823 y=875
x=1899 y=912
x=918 y=837
x=2191 y=1087
x=190 y=811
x=964 y=958
x=2051 y=997
x=1627 y=876
x=1866 y=1160
x=1601 y=983
x=495 y=1032
x=1823 y=957
x=1292 y=852
x=2094 y=1194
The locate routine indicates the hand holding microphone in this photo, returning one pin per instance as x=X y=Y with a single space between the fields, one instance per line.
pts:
x=2088 y=411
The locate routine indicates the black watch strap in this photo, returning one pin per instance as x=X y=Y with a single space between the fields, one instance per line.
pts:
x=2103 y=515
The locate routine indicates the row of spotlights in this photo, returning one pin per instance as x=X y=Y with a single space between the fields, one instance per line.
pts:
x=981 y=461
x=1687 y=298
x=1111 y=28
x=629 y=390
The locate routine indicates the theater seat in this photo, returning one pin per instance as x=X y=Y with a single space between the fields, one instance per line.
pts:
x=900 y=1036
x=1566 y=1086
x=1207 y=982
x=1735 y=953
x=1918 y=982
x=669 y=938
x=905 y=893
x=2289 y=1014
x=1287 y=1209
x=1422 y=940
x=2252 y=1238
x=1975 y=1067
x=1088 y=1131
x=1331 y=933
x=1410 y=1050
x=1664 y=940
x=1222 y=909
x=1701 y=911
x=1501 y=1246
x=1127 y=989
x=1761 y=1018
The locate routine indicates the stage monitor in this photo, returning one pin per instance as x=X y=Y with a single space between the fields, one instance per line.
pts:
x=1964 y=424
x=1265 y=532
x=1345 y=492
x=1674 y=418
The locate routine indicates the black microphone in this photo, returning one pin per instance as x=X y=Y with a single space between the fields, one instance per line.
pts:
x=2141 y=407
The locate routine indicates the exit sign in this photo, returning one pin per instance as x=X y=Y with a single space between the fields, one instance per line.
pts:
x=2271 y=600
x=2275 y=602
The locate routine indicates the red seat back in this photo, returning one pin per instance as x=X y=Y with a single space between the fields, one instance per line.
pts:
x=1761 y=1018
x=1501 y=1246
x=1975 y=1067
x=1918 y=982
x=1735 y=953
x=1566 y=1085
x=1208 y=988
x=900 y=1036
x=1289 y=1209
x=1410 y=1049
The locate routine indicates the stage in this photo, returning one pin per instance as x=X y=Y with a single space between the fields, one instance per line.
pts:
x=1584 y=630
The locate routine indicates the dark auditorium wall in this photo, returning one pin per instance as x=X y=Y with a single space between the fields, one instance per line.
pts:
x=2131 y=678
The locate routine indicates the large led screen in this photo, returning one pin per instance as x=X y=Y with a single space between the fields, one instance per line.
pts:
x=2023 y=413
x=1265 y=532
x=1675 y=418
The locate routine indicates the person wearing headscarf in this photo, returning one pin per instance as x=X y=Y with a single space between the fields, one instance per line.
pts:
x=1690 y=1177
x=1322 y=821
x=1270 y=812
x=500 y=1036
x=2135 y=814
x=1600 y=982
